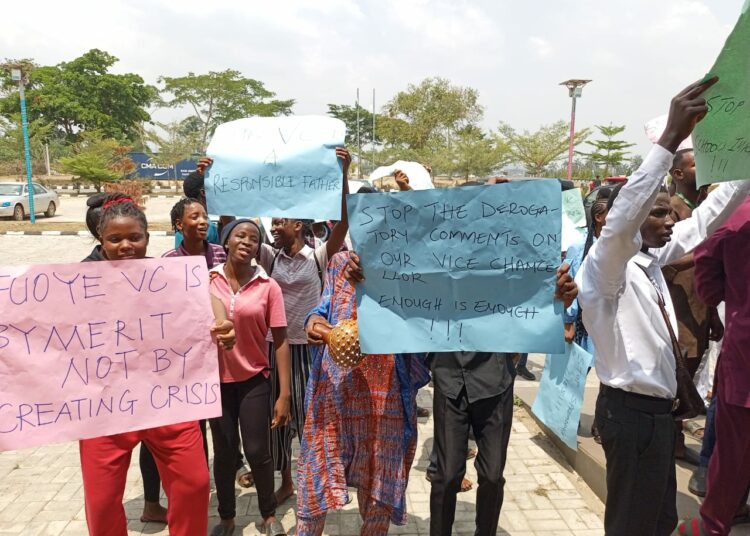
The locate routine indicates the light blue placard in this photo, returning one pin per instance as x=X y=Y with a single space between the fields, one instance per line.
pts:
x=469 y=268
x=276 y=166
x=558 y=401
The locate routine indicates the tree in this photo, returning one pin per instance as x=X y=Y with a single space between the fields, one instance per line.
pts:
x=348 y=114
x=537 y=150
x=178 y=143
x=431 y=112
x=472 y=152
x=609 y=152
x=83 y=95
x=12 y=146
x=99 y=160
x=218 y=97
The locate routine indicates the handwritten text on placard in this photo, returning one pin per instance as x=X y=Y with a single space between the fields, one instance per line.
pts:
x=99 y=348
x=720 y=141
x=468 y=268
x=276 y=166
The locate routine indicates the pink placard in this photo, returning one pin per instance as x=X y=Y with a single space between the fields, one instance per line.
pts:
x=99 y=348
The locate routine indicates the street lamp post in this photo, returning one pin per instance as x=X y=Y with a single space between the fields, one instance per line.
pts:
x=575 y=88
x=18 y=76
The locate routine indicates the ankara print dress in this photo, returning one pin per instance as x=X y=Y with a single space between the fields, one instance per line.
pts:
x=360 y=429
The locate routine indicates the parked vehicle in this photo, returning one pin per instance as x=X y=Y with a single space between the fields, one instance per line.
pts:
x=14 y=200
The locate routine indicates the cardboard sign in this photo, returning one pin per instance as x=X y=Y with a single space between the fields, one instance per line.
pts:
x=469 y=268
x=98 y=348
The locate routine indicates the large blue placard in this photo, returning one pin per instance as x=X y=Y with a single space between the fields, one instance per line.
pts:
x=276 y=166
x=469 y=268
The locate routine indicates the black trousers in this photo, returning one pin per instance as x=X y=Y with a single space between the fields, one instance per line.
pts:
x=490 y=419
x=249 y=404
x=638 y=443
x=150 y=474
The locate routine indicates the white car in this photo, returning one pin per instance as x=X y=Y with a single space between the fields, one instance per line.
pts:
x=14 y=200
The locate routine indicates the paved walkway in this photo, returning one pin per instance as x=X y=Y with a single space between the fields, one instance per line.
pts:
x=41 y=490
x=41 y=494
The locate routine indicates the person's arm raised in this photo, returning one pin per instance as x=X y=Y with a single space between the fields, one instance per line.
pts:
x=620 y=239
x=338 y=233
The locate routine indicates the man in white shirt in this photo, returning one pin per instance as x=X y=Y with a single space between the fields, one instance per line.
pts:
x=620 y=284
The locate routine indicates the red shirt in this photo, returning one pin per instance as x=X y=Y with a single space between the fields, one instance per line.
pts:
x=257 y=307
x=722 y=273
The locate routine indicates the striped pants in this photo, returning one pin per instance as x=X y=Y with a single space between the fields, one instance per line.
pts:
x=376 y=519
x=281 y=438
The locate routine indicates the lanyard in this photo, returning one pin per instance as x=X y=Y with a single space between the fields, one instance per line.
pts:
x=687 y=201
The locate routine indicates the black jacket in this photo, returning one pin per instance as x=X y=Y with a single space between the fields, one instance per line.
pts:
x=95 y=255
x=482 y=374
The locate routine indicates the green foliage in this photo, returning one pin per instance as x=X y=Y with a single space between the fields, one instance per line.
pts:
x=83 y=95
x=98 y=160
x=348 y=114
x=218 y=97
x=608 y=153
x=472 y=152
x=12 y=146
x=538 y=150
x=430 y=113
x=176 y=144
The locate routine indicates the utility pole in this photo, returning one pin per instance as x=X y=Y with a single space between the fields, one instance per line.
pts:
x=359 y=142
x=575 y=89
x=46 y=159
x=373 y=128
x=19 y=76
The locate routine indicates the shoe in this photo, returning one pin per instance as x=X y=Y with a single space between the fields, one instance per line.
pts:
x=688 y=456
x=697 y=484
x=691 y=527
x=526 y=374
x=423 y=413
x=221 y=530
x=274 y=529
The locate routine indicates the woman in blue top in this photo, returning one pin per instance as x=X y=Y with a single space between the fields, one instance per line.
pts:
x=574 y=328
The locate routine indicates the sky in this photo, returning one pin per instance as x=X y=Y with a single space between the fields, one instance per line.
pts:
x=639 y=53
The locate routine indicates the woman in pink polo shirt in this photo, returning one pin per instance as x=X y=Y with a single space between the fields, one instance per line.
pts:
x=255 y=305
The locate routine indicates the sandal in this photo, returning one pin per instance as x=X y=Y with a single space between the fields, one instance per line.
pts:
x=245 y=477
x=274 y=529
x=694 y=428
x=692 y=527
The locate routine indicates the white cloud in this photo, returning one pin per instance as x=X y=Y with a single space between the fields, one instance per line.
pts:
x=638 y=52
x=541 y=47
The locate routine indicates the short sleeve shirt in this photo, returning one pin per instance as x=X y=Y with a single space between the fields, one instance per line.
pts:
x=300 y=280
x=255 y=309
x=214 y=254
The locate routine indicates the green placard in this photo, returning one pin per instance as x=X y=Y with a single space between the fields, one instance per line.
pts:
x=721 y=140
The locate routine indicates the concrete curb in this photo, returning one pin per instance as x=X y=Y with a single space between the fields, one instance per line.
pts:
x=70 y=233
x=149 y=196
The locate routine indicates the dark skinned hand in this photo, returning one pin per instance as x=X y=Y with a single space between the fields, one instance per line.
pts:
x=203 y=164
x=687 y=108
x=313 y=337
x=566 y=289
x=402 y=180
x=343 y=154
x=354 y=273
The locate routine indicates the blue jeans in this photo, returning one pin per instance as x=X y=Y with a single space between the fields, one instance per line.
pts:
x=709 y=435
